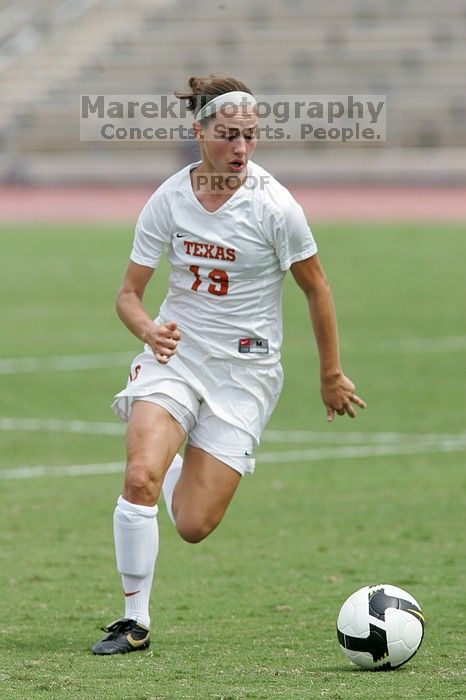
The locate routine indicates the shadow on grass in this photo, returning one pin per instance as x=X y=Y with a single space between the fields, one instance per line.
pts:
x=343 y=668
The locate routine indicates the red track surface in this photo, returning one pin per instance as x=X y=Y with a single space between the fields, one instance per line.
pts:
x=103 y=203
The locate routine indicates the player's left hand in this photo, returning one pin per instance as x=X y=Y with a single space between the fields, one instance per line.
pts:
x=338 y=395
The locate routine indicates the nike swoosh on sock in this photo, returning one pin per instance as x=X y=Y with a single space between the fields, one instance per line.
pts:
x=127 y=595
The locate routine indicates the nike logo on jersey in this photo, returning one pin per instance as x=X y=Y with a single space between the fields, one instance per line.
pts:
x=181 y=235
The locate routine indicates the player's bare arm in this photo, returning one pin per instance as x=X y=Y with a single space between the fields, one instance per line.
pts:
x=163 y=338
x=338 y=392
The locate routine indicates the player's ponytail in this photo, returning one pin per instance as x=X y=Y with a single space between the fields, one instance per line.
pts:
x=204 y=89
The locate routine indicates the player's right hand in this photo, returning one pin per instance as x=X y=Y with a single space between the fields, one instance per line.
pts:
x=164 y=341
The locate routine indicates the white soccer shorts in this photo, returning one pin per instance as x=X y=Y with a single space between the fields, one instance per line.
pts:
x=222 y=404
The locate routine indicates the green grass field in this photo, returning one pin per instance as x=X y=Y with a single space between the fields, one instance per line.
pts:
x=250 y=612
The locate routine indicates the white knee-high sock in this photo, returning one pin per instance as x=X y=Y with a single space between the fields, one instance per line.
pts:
x=171 y=477
x=136 y=536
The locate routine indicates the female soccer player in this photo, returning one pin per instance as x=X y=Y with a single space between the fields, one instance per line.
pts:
x=210 y=373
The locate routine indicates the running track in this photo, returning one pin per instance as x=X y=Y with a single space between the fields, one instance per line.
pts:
x=22 y=204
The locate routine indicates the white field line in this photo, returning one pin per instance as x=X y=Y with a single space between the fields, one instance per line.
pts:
x=63 y=363
x=69 y=470
x=285 y=457
x=303 y=436
x=355 y=451
x=52 y=425
x=452 y=343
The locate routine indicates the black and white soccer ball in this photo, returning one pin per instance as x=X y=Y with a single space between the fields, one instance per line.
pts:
x=380 y=627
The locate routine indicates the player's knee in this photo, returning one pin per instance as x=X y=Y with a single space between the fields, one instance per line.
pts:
x=193 y=534
x=193 y=531
x=141 y=485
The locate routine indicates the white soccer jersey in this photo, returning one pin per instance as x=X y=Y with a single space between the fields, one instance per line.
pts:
x=227 y=267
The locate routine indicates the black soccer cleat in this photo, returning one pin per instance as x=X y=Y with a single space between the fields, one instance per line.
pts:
x=124 y=635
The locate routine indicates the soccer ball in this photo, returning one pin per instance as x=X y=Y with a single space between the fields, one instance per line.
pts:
x=380 y=627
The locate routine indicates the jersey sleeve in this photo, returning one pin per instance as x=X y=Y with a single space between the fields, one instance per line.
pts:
x=152 y=232
x=293 y=240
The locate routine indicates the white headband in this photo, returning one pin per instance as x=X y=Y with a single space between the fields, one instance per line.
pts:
x=227 y=100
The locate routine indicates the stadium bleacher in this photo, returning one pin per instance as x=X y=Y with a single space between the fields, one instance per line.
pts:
x=413 y=51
